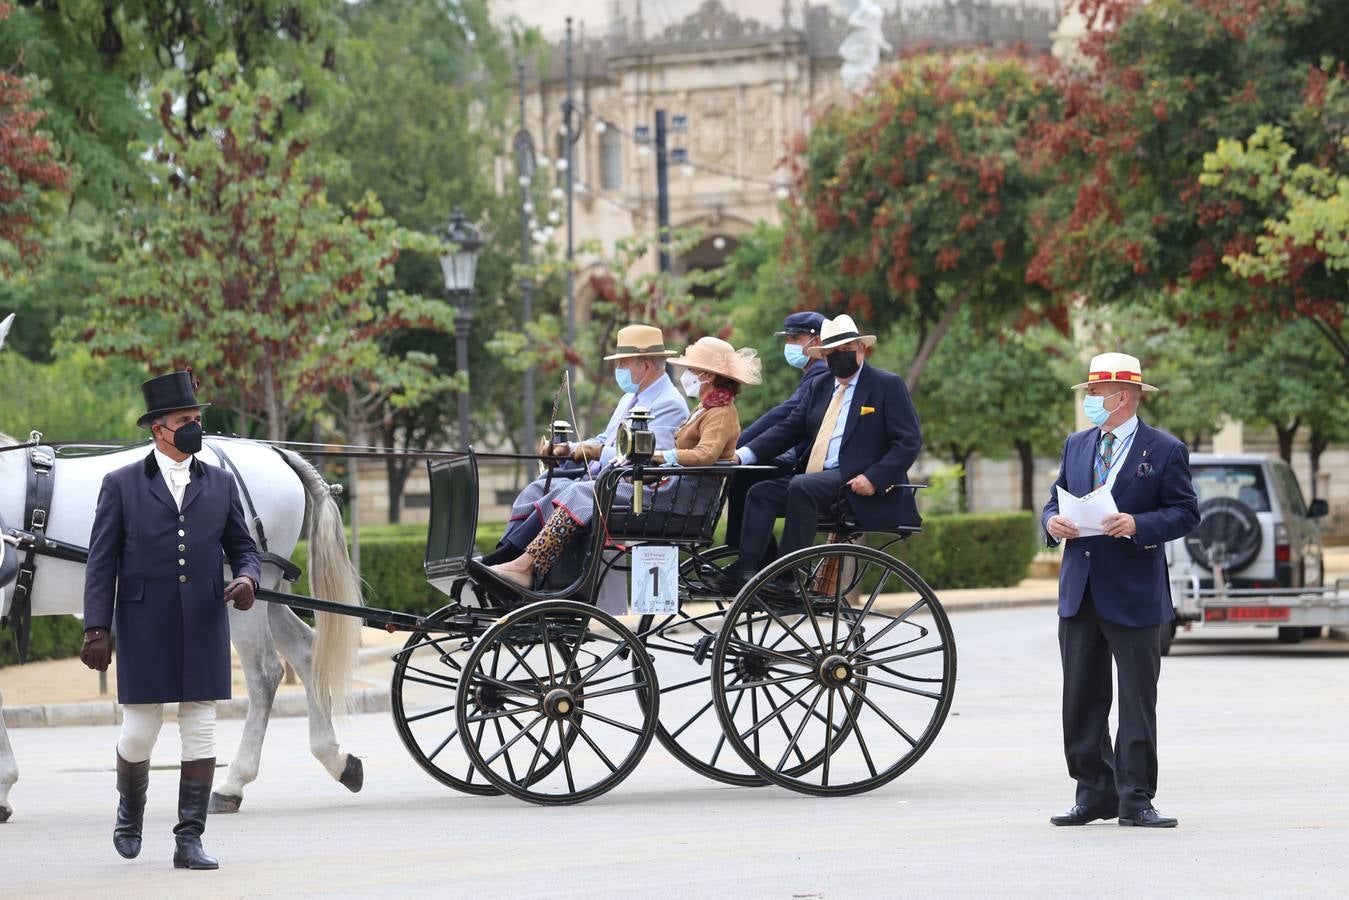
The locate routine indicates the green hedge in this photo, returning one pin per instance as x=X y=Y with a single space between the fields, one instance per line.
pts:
x=54 y=637
x=972 y=550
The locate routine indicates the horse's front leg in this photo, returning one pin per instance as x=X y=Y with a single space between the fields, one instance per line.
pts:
x=295 y=640
x=9 y=769
x=252 y=637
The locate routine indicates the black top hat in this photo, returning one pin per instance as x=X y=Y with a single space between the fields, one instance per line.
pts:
x=168 y=393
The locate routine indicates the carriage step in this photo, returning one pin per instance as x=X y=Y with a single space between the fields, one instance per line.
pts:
x=703 y=648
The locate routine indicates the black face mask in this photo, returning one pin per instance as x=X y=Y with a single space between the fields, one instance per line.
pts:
x=842 y=363
x=186 y=438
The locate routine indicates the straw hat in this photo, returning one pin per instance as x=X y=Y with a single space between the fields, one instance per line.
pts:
x=710 y=354
x=639 y=340
x=837 y=331
x=1119 y=367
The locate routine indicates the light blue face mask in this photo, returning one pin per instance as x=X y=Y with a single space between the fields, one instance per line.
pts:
x=1095 y=409
x=624 y=379
x=796 y=357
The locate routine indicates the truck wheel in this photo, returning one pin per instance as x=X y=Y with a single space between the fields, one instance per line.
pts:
x=1168 y=635
x=1290 y=635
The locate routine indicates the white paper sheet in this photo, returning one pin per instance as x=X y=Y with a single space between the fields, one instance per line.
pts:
x=1087 y=512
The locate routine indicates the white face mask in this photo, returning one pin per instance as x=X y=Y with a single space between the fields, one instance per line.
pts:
x=691 y=384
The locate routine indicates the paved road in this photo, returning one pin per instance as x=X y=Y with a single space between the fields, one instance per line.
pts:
x=1254 y=761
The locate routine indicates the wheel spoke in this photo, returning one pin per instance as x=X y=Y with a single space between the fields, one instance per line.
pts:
x=898 y=687
x=721 y=741
x=861 y=741
x=866 y=609
x=897 y=658
x=501 y=736
x=704 y=708
x=880 y=712
x=828 y=750
x=511 y=743
x=504 y=642
x=435 y=712
x=776 y=618
x=538 y=751
x=810 y=607
x=777 y=654
x=750 y=685
x=566 y=758
x=442 y=745
x=608 y=721
x=451 y=682
x=499 y=714
x=702 y=679
x=759 y=723
x=618 y=648
x=594 y=746
x=514 y=687
x=796 y=736
x=893 y=622
x=623 y=689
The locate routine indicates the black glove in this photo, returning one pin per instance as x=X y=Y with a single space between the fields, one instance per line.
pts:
x=97 y=650
x=240 y=593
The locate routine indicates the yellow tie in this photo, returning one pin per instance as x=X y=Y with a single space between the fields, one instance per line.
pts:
x=820 y=448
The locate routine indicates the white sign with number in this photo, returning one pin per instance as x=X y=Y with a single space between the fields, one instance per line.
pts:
x=655 y=579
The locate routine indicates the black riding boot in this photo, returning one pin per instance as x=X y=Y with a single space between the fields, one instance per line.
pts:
x=133 y=780
x=194 y=794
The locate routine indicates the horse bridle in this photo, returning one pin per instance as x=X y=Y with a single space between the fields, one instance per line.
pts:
x=37 y=513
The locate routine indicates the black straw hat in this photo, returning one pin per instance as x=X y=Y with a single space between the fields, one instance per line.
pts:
x=168 y=393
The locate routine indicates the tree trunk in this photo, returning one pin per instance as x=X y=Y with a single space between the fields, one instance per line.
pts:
x=932 y=339
x=1286 y=434
x=397 y=476
x=1023 y=450
x=961 y=457
x=1317 y=446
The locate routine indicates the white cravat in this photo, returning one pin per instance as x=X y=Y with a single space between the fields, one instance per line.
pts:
x=176 y=476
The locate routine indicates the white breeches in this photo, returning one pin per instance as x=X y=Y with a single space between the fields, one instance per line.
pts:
x=141 y=723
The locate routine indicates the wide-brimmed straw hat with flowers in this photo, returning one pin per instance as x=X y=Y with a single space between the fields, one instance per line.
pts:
x=837 y=331
x=639 y=340
x=710 y=354
x=1119 y=367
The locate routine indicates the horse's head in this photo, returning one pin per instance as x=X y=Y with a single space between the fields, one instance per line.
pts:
x=4 y=328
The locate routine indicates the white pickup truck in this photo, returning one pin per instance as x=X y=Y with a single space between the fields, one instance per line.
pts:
x=1256 y=557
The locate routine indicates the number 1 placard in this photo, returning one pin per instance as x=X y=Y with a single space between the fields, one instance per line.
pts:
x=655 y=579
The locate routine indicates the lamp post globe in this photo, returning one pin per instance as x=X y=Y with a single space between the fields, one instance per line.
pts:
x=459 y=264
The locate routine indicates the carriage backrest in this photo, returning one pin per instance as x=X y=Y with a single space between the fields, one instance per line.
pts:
x=454 y=518
x=686 y=513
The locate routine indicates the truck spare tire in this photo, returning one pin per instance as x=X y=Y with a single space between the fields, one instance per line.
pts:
x=1231 y=523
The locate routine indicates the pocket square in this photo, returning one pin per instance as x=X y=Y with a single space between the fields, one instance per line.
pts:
x=1145 y=469
x=867 y=410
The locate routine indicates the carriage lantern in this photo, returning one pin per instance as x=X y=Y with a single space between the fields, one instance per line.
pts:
x=459 y=263
x=637 y=442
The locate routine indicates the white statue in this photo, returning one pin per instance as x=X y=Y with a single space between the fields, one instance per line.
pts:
x=861 y=49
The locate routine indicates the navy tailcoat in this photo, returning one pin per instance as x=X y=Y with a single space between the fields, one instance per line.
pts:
x=156 y=577
x=881 y=439
x=1128 y=576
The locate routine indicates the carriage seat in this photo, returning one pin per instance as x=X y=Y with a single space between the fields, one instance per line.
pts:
x=839 y=519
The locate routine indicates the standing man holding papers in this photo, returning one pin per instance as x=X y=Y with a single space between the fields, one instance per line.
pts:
x=1114 y=594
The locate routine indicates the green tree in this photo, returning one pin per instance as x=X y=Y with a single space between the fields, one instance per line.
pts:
x=914 y=201
x=29 y=169
x=74 y=398
x=624 y=293
x=1162 y=83
x=245 y=271
x=426 y=84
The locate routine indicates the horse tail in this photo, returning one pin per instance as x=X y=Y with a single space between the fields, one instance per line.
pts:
x=331 y=577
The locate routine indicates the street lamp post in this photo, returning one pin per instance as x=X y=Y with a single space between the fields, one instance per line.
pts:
x=524 y=157
x=459 y=264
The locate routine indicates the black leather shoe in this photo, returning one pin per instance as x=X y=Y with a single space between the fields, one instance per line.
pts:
x=1149 y=818
x=731 y=579
x=1081 y=815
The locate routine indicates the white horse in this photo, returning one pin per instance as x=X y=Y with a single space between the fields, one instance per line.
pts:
x=278 y=482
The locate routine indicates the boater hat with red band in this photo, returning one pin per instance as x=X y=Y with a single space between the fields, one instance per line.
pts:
x=1120 y=367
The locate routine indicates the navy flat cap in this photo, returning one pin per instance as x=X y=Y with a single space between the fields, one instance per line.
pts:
x=802 y=323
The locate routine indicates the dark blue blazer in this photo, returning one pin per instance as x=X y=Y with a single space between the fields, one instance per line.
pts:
x=882 y=444
x=156 y=577
x=1128 y=576
x=812 y=373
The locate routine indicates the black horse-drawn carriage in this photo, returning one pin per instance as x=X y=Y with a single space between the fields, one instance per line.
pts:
x=835 y=685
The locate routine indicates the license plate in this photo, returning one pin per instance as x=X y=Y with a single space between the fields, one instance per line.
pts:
x=1247 y=614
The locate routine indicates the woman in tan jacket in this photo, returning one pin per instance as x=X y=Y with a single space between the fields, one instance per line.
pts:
x=714 y=373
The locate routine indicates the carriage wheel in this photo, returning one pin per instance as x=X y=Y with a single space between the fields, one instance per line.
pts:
x=572 y=700
x=870 y=682
x=424 y=696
